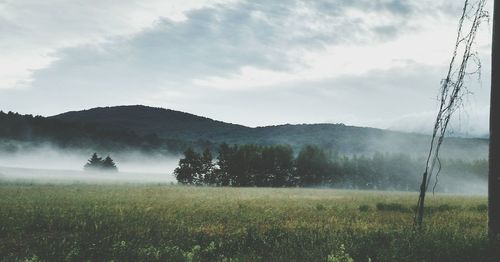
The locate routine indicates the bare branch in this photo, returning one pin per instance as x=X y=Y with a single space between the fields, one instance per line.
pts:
x=452 y=92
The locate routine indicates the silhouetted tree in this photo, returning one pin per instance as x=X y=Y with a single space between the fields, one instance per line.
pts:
x=225 y=165
x=207 y=168
x=245 y=165
x=189 y=168
x=109 y=165
x=94 y=163
x=312 y=166
x=275 y=166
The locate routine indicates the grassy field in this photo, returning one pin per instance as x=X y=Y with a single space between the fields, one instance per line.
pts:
x=174 y=223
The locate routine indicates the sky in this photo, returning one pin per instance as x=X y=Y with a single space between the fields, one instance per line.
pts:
x=374 y=63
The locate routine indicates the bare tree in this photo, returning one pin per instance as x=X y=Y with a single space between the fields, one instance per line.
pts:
x=452 y=91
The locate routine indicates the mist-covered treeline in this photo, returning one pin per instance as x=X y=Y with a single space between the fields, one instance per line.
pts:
x=28 y=130
x=279 y=166
x=167 y=132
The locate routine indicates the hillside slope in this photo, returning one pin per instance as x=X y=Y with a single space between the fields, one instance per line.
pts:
x=339 y=137
x=149 y=120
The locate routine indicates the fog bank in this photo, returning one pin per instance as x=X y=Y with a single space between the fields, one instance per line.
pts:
x=23 y=175
x=51 y=164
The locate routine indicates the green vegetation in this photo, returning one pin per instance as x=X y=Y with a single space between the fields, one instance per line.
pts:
x=176 y=223
x=96 y=163
x=20 y=132
x=278 y=166
x=157 y=130
x=342 y=138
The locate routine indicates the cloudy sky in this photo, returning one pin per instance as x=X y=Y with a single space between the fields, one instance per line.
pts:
x=257 y=62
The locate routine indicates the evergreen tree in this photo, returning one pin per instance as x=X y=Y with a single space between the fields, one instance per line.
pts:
x=109 y=165
x=94 y=163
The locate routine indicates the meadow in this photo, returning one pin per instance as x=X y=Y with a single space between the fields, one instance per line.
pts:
x=43 y=222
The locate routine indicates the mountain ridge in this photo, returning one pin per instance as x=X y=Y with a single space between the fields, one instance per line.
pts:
x=146 y=120
x=74 y=116
x=343 y=138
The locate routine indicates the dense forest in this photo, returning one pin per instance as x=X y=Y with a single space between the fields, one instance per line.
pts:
x=347 y=140
x=337 y=155
x=279 y=166
x=148 y=129
x=308 y=155
x=29 y=130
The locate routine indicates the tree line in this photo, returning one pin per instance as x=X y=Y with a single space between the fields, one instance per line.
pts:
x=278 y=166
x=35 y=130
x=97 y=163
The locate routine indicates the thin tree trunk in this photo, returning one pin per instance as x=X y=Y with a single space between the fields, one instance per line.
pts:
x=421 y=202
x=494 y=158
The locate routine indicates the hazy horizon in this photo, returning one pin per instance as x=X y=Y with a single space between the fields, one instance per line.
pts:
x=424 y=131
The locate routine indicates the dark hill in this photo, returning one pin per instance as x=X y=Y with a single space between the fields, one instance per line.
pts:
x=27 y=131
x=339 y=137
x=149 y=120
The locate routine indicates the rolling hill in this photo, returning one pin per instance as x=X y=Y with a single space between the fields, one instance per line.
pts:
x=170 y=124
x=148 y=120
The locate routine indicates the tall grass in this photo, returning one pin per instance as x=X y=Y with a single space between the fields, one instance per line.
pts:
x=174 y=223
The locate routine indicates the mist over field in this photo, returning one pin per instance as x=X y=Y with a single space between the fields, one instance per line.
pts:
x=47 y=163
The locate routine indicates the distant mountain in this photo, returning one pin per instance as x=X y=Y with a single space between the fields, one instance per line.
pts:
x=170 y=124
x=152 y=120
x=19 y=132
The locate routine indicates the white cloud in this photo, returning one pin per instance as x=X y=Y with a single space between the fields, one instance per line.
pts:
x=364 y=62
x=429 y=42
x=33 y=31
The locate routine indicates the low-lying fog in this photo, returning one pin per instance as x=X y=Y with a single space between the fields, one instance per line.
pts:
x=473 y=186
x=47 y=164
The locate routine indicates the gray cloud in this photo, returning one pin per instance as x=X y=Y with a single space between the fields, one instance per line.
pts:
x=156 y=65
x=220 y=40
x=392 y=6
